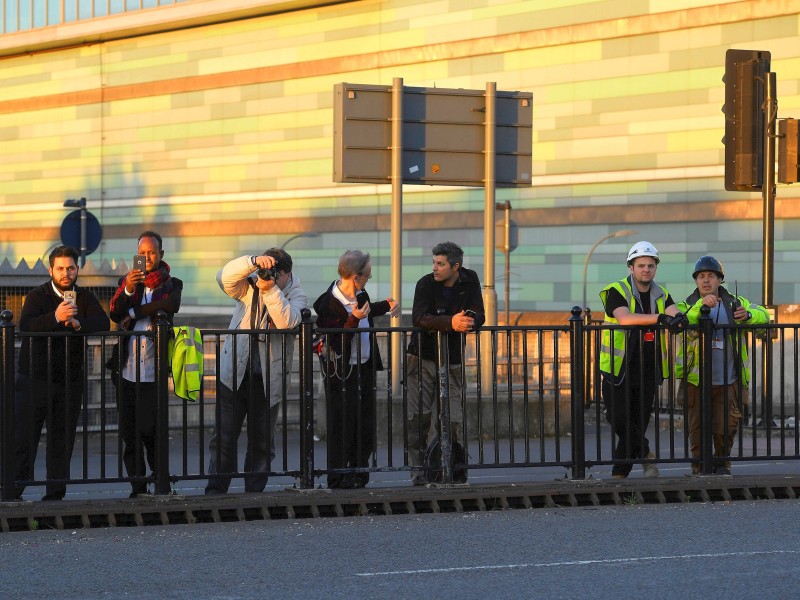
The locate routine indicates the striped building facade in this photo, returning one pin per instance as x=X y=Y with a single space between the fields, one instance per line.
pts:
x=212 y=122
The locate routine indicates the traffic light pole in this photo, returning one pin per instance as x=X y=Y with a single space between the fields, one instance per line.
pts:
x=768 y=187
x=768 y=269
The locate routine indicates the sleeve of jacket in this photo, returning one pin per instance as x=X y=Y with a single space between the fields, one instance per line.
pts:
x=171 y=304
x=91 y=315
x=476 y=305
x=122 y=304
x=423 y=313
x=758 y=314
x=285 y=310
x=232 y=278
x=692 y=312
x=36 y=315
x=378 y=309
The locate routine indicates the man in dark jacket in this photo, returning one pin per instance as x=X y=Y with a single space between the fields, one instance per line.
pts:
x=448 y=300
x=51 y=392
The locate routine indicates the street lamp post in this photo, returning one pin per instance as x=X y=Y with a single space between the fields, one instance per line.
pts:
x=616 y=234
x=308 y=234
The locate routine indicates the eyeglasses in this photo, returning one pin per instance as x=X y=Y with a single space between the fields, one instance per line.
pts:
x=361 y=275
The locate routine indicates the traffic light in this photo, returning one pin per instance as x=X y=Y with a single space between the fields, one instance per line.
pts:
x=788 y=141
x=746 y=73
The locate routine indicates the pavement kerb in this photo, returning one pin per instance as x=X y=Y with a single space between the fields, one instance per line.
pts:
x=324 y=503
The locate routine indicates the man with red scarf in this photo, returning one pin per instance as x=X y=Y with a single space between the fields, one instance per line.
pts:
x=138 y=298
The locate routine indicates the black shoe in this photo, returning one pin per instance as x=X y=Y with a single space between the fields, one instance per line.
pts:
x=722 y=470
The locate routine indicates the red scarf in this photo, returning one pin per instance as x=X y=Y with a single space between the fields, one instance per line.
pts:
x=159 y=281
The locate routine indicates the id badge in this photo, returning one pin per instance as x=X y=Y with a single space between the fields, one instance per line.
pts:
x=649 y=336
x=716 y=344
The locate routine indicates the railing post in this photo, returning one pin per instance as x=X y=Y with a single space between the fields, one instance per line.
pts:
x=706 y=417
x=587 y=354
x=446 y=444
x=306 y=400
x=162 y=326
x=577 y=383
x=7 y=368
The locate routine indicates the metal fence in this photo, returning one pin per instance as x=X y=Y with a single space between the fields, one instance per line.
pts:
x=535 y=403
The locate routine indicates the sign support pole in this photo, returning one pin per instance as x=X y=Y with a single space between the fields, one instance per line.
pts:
x=489 y=186
x=397 y=228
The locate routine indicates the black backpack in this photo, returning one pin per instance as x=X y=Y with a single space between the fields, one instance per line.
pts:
x=433 y=460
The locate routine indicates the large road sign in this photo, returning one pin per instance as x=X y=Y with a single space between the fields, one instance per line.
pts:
x=443 y=132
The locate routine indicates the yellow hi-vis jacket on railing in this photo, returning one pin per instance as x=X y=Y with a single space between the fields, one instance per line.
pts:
x=186 y=358
x=658 y=298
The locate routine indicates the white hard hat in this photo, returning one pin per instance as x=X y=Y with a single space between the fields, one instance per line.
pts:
x=640 y=249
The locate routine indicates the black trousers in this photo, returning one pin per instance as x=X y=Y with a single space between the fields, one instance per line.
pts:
x=251 y=402
x=38 y=402
x=628 y=407
x=137 y=428
x=351 y=425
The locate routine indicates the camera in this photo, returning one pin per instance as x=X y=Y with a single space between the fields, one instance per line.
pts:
x=268 y=274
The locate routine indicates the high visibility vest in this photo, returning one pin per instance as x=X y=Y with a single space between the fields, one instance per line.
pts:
x=617 y=349
x=689 y=363
x=186 y=358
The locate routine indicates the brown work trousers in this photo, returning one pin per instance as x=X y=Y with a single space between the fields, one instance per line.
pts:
x=723 y=434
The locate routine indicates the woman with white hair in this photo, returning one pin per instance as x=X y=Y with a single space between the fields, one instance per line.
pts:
x=350 y=360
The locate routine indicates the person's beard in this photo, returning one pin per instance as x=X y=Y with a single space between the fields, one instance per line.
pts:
x=66 y=285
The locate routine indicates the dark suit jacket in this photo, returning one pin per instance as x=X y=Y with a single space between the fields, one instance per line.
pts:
x=39 y=315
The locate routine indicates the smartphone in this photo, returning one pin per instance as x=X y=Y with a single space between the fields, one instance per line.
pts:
x=471 y=314
x=69 y=296
x=361 y=299
x=139 y=262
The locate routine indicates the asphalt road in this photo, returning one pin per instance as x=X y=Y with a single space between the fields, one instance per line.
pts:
x=720 y=550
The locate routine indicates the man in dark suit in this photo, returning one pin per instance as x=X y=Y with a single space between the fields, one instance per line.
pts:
x=49 y=386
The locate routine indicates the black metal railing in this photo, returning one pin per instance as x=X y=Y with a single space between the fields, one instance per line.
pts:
x=529 y=402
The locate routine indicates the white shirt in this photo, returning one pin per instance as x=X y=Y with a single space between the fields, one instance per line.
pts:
x=147 y=350
x=362 y=324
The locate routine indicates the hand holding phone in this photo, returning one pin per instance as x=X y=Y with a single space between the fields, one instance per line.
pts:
x=69 y=296
x=472 y=315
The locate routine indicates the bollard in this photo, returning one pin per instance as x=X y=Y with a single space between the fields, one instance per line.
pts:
x=706 y=416
x=163 y=330
x=306 y=400
x=577 y=383
x=7 y=368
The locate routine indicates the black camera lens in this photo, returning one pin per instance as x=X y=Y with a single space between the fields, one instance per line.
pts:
x=268 y=274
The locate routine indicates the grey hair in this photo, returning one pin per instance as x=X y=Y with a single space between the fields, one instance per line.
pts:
x=353 y=262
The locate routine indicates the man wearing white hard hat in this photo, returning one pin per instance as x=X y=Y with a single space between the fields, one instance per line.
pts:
x=634 y=362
